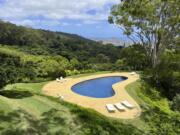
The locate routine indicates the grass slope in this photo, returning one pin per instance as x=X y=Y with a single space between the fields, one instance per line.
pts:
x=25 y=110
x=31 y=112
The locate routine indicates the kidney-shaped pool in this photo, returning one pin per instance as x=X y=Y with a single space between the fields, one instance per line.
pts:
x=97 y=88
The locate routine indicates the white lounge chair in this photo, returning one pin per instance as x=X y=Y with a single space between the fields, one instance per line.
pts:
x=119 y=106
x=132 y=73
x=127 y=104
x=110 y=108
x=57 y=79
x=62 y=79
x=61 y=97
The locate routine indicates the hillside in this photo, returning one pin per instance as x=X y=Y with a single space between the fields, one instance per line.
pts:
x=115 y=41
x=43 y=42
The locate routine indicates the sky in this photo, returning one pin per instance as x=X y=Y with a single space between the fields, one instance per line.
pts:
x=87 y=18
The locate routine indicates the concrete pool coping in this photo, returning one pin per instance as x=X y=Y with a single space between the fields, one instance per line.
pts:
x=55 y=89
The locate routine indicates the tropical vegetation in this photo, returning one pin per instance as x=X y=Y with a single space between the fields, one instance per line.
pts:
x=29 y=58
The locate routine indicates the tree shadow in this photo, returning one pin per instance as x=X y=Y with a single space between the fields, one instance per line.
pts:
x=15 y=94
x=55 y=117
x=20 y=122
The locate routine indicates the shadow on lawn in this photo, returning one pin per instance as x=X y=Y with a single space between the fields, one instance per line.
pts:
x=15 y=94
x=19 y=122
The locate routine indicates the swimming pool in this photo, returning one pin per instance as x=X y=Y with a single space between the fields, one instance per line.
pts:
x=97 y=88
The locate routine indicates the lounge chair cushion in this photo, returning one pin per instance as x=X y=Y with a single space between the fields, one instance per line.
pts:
x=127 y=104
x=119 y=106
x=110 y=107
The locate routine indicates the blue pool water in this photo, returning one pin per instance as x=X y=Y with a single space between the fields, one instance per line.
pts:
x=97 y=88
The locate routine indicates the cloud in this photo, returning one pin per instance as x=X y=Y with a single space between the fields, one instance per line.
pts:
x=51 y=12
x=28 y=22
x=78 y=24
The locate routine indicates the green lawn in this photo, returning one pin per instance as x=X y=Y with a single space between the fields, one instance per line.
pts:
x=4 y=105
x=87 y=74
x=32 y=87
x=25 y=110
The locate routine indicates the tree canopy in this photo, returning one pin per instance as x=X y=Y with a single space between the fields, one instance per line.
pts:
x=153 y=23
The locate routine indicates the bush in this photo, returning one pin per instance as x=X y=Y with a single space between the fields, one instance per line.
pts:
x=72 y=72
x=176 y=103
x=162 y=123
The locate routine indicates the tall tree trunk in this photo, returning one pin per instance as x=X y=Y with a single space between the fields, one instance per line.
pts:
x=154 y=58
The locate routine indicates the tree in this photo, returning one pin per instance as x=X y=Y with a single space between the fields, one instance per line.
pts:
x=120 y=64
x=3 y=77
x=135 y=57
x=166 y=75
x=101 y=58
x=75 y=63
x=153 y=23
x=8 y=75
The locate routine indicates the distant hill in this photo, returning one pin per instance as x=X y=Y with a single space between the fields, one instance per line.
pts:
x=113 y=40
x=44 y=42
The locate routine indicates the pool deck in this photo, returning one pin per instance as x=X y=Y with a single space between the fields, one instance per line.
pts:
x=55 y=88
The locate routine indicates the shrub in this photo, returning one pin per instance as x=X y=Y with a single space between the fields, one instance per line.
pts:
x=176 y=103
